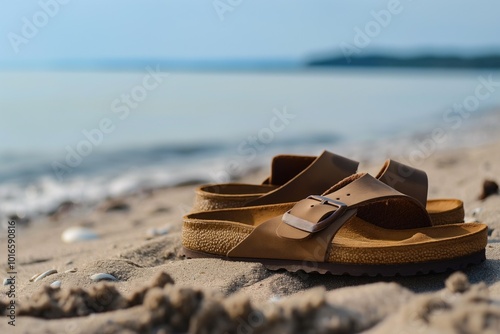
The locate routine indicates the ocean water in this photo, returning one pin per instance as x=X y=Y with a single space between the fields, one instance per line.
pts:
x=84 y=136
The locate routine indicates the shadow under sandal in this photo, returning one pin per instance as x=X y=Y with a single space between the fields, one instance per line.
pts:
x=293 y=177
x=361 y=227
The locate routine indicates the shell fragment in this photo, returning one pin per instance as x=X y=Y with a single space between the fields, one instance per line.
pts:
x=55 y=284
x=77 y=234
x=103 y=277
x=45 y=274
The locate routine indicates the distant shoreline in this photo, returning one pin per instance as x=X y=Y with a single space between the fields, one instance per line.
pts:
x=434 y=62
x=337 y=61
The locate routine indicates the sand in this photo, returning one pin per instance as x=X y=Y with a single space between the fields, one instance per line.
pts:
x=159 y=291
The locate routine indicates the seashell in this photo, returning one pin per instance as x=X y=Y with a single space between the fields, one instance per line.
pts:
x=103 y=276
x=55 y=284
x=45 y=274
x=72 y=270
x=34 y=276
x=77 y=233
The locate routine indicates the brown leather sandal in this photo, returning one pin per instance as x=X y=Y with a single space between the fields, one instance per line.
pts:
x=361 y=227
x=294 y=177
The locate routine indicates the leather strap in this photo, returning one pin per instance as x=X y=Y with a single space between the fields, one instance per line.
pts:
x=284 y=237
x=285 y=167
x=405 y=179
x=316 y=175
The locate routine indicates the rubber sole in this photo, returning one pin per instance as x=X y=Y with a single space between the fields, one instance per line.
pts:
x=406 y=269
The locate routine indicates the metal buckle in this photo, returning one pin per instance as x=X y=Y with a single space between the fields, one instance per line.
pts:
x=311 y=227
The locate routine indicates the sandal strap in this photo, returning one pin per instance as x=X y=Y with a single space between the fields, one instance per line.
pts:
x=304 y=175
x=285 y=167
x=305 y=232
x=405 y=179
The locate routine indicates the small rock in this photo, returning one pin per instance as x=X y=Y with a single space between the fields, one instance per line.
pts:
x=274 y=299
x=87 y=224
x=489 y=188
x=457 y=282
x=77 y=233
x=161 y=210
x=72 y=270
x=7 y=281
x=19 y=220
x=63 y=208
x=153 y=232
x=476 y=212
x=471 y=219
x=115 y=206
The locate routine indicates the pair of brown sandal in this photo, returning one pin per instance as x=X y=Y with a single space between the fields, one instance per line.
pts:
x=318 y=215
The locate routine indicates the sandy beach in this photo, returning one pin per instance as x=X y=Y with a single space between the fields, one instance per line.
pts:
x=115 y=113
x=158 y=291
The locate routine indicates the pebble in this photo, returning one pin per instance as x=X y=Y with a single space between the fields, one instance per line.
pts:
x=457 y=283
x=161 y=210
x=274 y=299
x=55 y=284
x=20 y=219
x=72 y=270
x=490 y=187
x=7 y=281
x=77 y=233
x=116 y=206
x=153 y=232
x=63 y=208
x=476 y=212
x=103 y=276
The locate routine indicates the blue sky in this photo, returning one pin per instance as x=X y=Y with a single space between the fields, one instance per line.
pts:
x=248 y=29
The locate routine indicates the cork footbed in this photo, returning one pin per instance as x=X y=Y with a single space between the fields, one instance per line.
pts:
x=234 y=195
x=357 y=242
x=445 y=211
x=230 y=195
